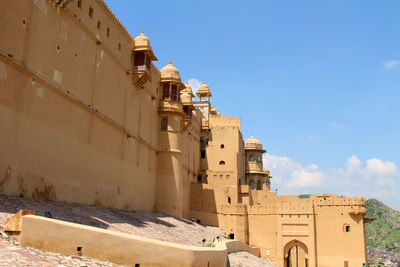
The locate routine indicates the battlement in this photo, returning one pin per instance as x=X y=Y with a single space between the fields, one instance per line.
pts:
x=301 y=206
x=333 y=200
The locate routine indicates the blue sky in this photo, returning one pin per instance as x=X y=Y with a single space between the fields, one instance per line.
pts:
x=317 y=81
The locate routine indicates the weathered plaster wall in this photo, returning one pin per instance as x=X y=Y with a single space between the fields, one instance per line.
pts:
x=67 y=107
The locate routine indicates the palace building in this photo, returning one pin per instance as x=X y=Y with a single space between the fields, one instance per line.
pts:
x=86 y=117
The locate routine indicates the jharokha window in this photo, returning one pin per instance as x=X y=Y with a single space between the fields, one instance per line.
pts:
x=165 y=91
x=170 y=92
x=174 y=92
x=139 y=59
x=251 y=157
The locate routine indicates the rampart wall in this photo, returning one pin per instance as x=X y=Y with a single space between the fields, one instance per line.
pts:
x=74 y=127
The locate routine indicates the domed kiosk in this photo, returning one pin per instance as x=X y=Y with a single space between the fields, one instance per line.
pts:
x=142 y=57
x=256 y=176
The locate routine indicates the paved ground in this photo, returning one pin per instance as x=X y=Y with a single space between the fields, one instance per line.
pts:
x=244 y=259
x=12 y=254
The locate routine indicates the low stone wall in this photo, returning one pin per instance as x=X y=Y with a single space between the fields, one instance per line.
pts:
x=235 y=246
x=75 y=239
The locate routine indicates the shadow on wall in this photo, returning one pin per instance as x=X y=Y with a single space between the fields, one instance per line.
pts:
x=203 y=207
x=88 y=215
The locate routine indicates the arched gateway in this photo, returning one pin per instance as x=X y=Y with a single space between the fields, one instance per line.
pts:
x=296 y=254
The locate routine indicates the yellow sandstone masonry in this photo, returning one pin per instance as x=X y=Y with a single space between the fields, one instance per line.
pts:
x=13 y=224
x=81 y=240
x=86 y=117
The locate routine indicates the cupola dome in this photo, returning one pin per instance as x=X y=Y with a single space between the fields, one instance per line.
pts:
x=170 y=73
x=253 y=143
x=142 y=43
x=204 y=90
x=188 y=89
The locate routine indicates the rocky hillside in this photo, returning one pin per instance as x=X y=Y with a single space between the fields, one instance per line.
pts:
x=384 y=231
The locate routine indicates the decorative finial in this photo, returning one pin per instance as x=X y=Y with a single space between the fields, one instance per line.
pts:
x=169 y=61
x=142 y=31
x=204 y=82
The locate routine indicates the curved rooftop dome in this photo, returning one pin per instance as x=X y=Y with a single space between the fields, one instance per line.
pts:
x=142 y=39
x=253 y=143
x=189 y=89
x=142 y=43
x=170 y=73
x=204 y=90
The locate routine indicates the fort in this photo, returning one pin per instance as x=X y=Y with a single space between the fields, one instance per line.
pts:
x=86 y=117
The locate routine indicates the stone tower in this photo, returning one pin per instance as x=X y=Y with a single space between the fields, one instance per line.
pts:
x=203 y=104
x=169 y=164
x=256 y=176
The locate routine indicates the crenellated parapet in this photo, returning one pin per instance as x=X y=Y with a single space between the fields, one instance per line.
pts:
x=300 y=206
x=59 y=4
x=333 y=200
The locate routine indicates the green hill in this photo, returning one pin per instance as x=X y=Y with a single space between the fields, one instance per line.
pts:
x=384 y=231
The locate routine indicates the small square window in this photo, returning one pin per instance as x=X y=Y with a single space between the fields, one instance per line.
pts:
x=228 y=176
x=221 y=176
x=215 y=176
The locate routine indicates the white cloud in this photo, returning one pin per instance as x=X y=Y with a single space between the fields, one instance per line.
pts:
x=391 y=64
x=194 y=83
x=306 y=178
x=373 y=178
x=377 y=167
x=280 y=167
x=353 y=165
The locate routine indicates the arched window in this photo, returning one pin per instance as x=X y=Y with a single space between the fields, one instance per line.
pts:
x=259 y=159
x=222 y=146
x=222 y=162
x=229 y=200
x=259 y=184
x=164 y=124
x=251 y=157
x=174 y=92
x=165 y=91
x=346 y=228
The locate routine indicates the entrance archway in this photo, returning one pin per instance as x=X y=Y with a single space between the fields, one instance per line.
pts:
x=296 y=254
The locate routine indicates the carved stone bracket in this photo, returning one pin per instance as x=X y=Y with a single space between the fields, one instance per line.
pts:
x=186 y=123
x=140 y=78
